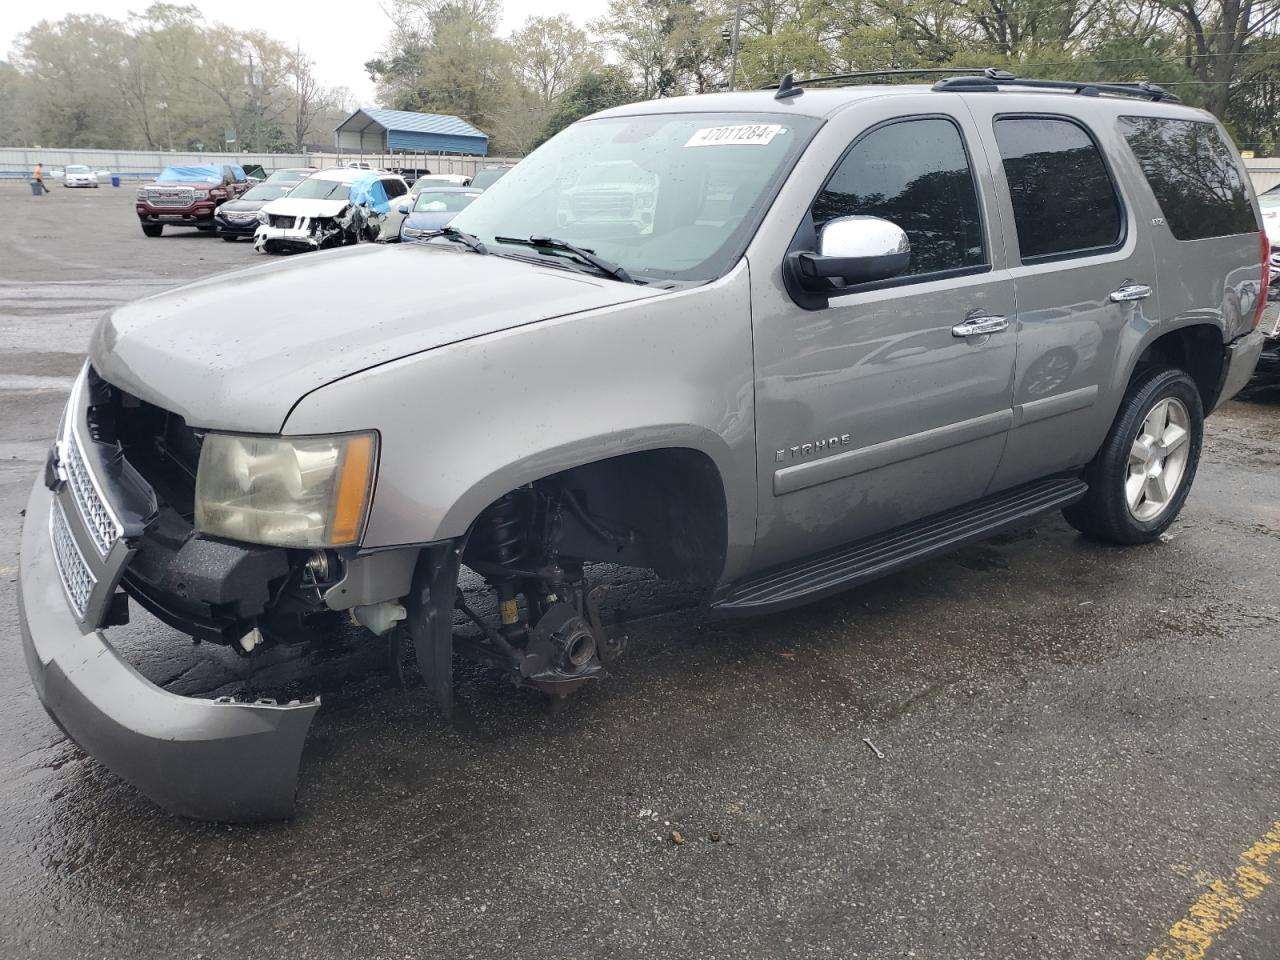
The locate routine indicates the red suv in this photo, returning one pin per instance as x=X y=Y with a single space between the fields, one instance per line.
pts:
x=188 y=196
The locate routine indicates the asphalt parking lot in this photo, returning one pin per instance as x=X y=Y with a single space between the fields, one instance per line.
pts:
x=1079 y=743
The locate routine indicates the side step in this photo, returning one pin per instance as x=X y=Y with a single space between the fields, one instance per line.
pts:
x=826 y=573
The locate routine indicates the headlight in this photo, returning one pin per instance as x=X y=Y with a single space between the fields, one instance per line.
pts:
x=286 y=491
x=201 y=194
x=411 y=232
x=262 y=217
x=142 y=193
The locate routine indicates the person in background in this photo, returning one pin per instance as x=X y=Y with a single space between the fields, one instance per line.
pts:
x=38 y=176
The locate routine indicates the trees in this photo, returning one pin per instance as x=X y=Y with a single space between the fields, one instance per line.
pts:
x=162 y=79
x=607 y=87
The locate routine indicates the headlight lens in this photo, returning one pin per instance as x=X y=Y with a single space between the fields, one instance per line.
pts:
x=410 y=231
x=286 y=491
x=202 y=194
x=142 y=193
x=262 y=217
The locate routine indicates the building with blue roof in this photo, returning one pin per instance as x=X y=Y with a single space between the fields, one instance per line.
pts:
x=374 y=131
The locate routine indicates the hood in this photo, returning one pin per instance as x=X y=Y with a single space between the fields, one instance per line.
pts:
x=237 y=351
x=183 y=185
x=302 y=207
x=245 y=206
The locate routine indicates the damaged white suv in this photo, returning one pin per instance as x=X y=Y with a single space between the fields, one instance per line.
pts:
x=331 y=208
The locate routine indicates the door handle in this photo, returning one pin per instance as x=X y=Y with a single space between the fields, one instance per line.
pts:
x=980 y=326
x=1131 y=291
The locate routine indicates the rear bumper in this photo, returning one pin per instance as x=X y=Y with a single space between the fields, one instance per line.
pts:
x=206 y=759
x=1241 y=360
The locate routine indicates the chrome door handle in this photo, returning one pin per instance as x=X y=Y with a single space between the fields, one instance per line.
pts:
x=1131 y=291
x=980 y=326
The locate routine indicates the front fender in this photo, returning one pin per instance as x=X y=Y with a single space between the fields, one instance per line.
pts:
x=462 y=424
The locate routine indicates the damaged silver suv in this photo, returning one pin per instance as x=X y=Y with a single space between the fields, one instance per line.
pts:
x=776 y=342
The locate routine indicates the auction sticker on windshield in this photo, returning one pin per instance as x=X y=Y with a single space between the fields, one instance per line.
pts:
x=744 y=133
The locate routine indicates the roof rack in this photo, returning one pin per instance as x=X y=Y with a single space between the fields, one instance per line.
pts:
x=790 y=82
x=980 y=80
x=992 y=80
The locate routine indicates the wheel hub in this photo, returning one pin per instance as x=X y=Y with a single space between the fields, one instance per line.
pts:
x=1158 y=459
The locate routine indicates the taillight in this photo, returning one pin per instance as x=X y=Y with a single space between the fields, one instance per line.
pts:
x=1265 y=243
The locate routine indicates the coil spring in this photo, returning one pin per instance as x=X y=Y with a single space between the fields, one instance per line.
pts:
x=503 y=531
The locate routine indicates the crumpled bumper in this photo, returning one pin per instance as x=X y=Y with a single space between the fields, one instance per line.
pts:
x=206 y=759
x=1241 y=361
x=301 y=237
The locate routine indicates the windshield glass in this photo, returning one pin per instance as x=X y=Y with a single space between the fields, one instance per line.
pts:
x=288 y=176
x=425 y=183
x=487 y=178
x=264 y=192
x=76 y=168
x=673 y=195
x=316 y=189
x=441 y=201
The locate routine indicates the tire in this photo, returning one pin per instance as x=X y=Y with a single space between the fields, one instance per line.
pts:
x=1122 y=507
x=153 y=229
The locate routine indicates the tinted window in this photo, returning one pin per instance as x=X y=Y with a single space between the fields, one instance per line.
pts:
x=1194 y=176
x=394 y=188
x=1063 y=199
x=915 y=174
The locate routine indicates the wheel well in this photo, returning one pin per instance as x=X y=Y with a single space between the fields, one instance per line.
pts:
x=661 y=509
x=1196 y=349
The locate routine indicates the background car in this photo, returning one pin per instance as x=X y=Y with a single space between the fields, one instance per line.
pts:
x=239 y=218
x=433 y=208
x=188 y=196
x=289 y=176
x=78 y=175
x=489 y=176
x=331 y=208
x=440 y=180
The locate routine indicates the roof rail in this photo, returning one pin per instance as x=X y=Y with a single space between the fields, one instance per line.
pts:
x=992 y=81
x=790 y=80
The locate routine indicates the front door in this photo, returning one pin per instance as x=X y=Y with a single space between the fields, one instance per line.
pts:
x=877 y=409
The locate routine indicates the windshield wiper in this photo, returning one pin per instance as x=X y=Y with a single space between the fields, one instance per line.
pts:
x=607 y=267
x=471 y=241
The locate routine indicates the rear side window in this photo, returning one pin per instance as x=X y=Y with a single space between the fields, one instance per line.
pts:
x=1064 y=202
x=1193 y=174
x=916 y=174
x=394 y=188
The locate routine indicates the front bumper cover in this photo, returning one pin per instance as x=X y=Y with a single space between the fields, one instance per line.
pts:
x=205 y=759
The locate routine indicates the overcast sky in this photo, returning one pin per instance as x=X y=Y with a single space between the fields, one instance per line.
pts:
x=326 y=34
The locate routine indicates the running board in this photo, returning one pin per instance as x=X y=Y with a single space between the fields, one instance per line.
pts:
x=826 y=573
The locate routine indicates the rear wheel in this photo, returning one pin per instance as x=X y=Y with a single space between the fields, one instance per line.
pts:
x=153 y=229
x=1141 y=477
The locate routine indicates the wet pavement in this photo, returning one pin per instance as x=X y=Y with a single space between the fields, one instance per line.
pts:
x=1079 y=742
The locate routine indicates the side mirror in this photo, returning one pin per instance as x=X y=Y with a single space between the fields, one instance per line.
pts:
x=851 y=250
x=403 y=208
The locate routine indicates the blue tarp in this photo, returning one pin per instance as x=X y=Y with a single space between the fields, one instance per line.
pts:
x=200 y=173
x=369 y=192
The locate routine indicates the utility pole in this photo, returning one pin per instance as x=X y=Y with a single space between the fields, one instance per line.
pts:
x=733 y=55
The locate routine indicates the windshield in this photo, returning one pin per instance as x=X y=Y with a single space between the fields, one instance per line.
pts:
x=440 y=201
x=264 y=192
x=288 y=176
x=487 y=178
x=424 y=183
x=76 y=168
x=317 y=189
x=1264 y=201
x=672 y=195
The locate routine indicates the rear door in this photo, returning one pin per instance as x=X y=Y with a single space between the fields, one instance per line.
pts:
x=1084 y=278
x=875 y=411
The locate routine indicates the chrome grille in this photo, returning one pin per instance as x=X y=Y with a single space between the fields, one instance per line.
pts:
x=240 y=217
x=160 y=197
x=102 y=526
x=77 y=579
x=283 y=223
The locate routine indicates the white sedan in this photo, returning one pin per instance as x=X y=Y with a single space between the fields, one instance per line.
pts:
x=78 y=175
